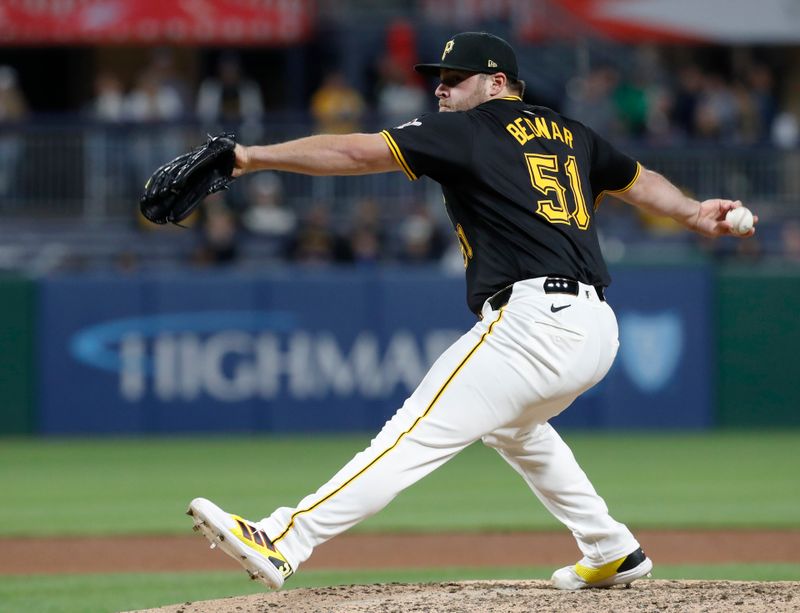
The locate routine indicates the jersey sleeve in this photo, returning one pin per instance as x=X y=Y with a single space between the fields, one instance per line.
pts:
x=437 y=145
x=612 y=171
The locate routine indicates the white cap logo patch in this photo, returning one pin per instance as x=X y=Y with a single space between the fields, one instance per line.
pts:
x=492 y=64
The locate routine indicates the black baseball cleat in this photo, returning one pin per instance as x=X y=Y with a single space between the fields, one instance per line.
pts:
x=619 y=572
x=241 y=540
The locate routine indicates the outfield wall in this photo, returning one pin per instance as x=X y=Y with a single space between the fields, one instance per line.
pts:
x=339 y=349
x=17 y=314
x=759 y=337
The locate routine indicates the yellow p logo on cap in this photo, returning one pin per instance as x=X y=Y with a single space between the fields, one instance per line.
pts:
x=447 y=48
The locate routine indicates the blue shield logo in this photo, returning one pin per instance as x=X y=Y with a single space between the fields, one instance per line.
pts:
x=650 y=348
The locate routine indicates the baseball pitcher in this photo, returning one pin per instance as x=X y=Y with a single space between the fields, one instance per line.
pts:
x=522 y=185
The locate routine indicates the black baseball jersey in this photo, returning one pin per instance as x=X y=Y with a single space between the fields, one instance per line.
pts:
x=521 y=184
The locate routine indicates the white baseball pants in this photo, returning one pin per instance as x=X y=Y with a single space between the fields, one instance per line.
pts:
x=500 y=382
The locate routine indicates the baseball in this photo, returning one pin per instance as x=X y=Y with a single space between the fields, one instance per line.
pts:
x=741 y=219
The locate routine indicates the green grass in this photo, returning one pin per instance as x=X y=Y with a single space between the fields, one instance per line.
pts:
x=118 y=592
x=131 y=486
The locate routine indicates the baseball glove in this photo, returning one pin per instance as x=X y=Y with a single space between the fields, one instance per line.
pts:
x=177 y=188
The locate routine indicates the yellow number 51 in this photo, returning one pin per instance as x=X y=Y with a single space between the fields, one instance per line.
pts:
x=543 y=170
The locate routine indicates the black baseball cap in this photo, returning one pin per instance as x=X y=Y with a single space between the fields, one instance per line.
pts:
x=475 y=52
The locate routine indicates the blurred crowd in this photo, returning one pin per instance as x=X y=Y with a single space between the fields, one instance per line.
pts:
x=654 y=97
x=366 y=235
x=647 y=93
x=644 y=101
x=652 y=102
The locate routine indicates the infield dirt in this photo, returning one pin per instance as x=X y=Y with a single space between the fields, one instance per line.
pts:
x=353 y=551
x=515 y=597
x=55 y=555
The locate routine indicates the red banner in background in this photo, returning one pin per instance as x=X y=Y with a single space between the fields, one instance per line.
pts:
x=225 y=22
x=663 y=21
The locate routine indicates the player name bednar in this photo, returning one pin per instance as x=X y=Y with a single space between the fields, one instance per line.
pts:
x=524 y=130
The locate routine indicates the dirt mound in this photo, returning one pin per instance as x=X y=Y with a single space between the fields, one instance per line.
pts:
x=514 y=596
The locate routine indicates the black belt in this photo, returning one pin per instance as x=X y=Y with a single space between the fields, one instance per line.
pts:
x=552 y=285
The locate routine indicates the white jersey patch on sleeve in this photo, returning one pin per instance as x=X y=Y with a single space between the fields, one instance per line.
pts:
x=413 y=122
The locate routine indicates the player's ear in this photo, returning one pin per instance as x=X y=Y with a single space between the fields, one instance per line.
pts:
x=497 y=83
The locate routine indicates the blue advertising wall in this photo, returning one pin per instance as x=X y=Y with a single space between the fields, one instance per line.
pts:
x=331 y=350
x=664 y=373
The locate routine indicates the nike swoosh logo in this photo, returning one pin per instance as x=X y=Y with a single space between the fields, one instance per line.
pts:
x=555 y=309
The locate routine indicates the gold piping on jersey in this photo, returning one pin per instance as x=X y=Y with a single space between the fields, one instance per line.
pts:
x=511 y=98
x=402 y=435
x=398 y=155
x=463 y=244
x=618 y=191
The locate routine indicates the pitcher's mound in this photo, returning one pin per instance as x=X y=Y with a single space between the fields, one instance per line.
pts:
x=514 y=596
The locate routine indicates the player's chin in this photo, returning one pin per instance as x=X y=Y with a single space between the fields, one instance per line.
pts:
x=445 y=109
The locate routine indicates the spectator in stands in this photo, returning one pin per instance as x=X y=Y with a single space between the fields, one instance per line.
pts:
x=632 y=106
x=230 y=100
x=748 y=120
x=589 y=100
x=316 y=242
x=108 y=103
x=218 y=234
x=162 y=66
x=364 y=246
x=107 y=151
x=12 y=101
x=716 y=117
x=401 y=43
x=401 y=95
x=653 y=77
x=151 y=102
x=642 y=98
x=785 y=132
x=686 y=100
x=761 y=85
x=266 y=216
x=421 y=242
x=366 y=238
x=13 y=108
x=337 y=108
